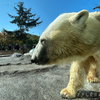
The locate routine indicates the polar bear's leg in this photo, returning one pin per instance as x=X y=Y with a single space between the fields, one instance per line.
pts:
x=92 y=73
x=91 y=77
x=77 y=75
x=97 y=58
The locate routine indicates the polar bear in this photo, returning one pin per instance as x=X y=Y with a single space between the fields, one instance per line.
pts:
x=72 y=37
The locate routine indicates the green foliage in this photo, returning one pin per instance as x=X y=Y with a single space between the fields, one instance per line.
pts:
x=6 y=39
x=24 y=20
x=31 y=39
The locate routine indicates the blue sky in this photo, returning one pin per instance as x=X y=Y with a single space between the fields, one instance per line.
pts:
x=47 y=10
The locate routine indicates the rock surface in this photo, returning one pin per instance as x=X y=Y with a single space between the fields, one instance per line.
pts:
x=16 y=55
x=12 y=60
x=21 y=80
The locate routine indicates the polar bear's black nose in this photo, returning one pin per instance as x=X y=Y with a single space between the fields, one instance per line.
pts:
x=33 y=61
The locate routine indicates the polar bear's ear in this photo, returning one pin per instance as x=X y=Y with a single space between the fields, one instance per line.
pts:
x=80 y=17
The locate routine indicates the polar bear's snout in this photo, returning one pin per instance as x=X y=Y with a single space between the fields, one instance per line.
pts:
x=39 y=55
x=39 y=62
x=42 y=60
x=33 y=60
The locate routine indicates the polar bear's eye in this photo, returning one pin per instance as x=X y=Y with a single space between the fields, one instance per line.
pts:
x=42 y=41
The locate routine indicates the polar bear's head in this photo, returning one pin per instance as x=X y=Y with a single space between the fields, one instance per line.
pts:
x=68 y=36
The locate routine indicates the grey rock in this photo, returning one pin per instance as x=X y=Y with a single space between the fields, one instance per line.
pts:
x=24 y=59
x=16 y=55
x=35 y=82
x=21 y=80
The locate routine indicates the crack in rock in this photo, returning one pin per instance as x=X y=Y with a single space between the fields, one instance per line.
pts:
x=28 y=69
x=5 y=61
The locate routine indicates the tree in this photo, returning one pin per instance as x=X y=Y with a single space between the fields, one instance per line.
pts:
x=3 y=38
x=96 y=7
x=24 y=21
x=6 y=39
x=31 y=39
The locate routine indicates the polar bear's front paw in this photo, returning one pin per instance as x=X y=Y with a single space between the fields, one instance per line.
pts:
x=66 y=94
